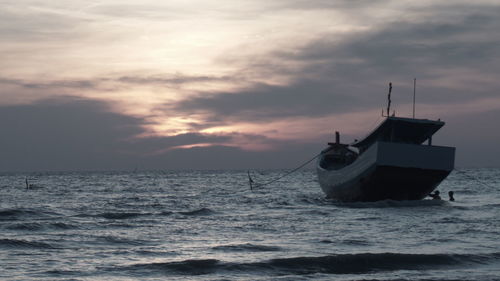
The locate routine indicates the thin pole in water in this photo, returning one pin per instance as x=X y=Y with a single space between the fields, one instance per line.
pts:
x=414 y=89
x=250 y=181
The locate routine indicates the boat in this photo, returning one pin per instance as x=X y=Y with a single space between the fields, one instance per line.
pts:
x=396 y=161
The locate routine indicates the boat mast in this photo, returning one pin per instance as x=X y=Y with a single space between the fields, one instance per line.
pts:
x=389 y=99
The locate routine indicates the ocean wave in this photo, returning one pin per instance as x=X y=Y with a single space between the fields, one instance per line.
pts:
x=489 y=206
x=392 y=204
x=246 y=247
x=119 y=240
x=113 y=215
x=62 y=225
x=320 y=201
x=14 y=243
x=165 y=213
x=128 y=215
x=359 y=263
x=152 y=253
x=356 y=242
x=350 y=242
x=29 y=226
x=13 y=214
x=186 y=267
x=59 y=272
x=23 y=213
x=198 y=212
x=36 y=226
x=455 y=220
x=9 y=212
x=362 y=263
x=326 y=241
x=120 y=216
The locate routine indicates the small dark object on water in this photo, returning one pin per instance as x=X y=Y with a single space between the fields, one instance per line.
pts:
x=28 y=185
x=450 y=194
x=435 y=195
x=250 y=181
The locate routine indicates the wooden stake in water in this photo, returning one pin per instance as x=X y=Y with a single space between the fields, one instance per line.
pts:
x=250 y=181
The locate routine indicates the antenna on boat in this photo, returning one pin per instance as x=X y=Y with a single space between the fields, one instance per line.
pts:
x=414 y=88
x=389 y=99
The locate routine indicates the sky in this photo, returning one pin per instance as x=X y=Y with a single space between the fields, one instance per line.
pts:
x=187 y=84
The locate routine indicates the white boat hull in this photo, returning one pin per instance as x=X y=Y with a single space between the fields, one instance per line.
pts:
x=389 y=170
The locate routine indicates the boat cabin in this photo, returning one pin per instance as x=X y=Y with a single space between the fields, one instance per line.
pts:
x=401 y=130
x=393 y=129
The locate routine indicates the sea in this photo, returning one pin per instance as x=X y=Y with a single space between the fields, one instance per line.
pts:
x=209 y=225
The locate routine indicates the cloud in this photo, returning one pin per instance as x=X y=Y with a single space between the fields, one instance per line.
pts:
x=82 y=134
x=246 y=66
x=450 y=55
x=476 y=138
x=62 y=134
x=263 y=103
x=76 y=84
x=32 y=23
x=326 y=4
x=169 y=80
x=113 y=87
x=151 y=11
x=403 y=49
x=116 y=82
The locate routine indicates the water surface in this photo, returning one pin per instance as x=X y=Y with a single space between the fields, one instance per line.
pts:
x=208 y=225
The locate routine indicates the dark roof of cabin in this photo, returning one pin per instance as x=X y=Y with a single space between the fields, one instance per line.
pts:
x=399 y=129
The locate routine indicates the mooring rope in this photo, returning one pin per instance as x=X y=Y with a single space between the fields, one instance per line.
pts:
x=252 y=186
